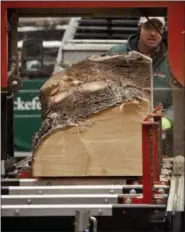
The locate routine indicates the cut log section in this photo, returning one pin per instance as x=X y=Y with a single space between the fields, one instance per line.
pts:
x=92 y=114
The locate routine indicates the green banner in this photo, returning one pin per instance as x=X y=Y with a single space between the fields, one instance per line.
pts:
x=27 y=115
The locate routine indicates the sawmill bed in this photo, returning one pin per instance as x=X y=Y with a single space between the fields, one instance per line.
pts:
x=116 y=207
x=49 y=208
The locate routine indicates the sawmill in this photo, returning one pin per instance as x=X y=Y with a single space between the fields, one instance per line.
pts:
x=98 y=161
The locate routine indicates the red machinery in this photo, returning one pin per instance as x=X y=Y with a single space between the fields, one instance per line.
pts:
x=150 y=129
x=176 y=25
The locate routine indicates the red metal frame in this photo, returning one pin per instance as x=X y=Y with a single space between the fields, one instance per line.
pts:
x=156 y=115
x=176 y=25
x=151 y=123
x=176 y=53
x=176 y=41
x=147 y=180
x=25 y=174
x=157 y=154
x=147 y=127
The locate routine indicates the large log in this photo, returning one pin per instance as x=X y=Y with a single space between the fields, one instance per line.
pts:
x=92 y=114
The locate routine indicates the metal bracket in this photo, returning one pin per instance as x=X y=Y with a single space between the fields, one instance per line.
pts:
x=14 y=81
x=14 y=84
x=173 y=82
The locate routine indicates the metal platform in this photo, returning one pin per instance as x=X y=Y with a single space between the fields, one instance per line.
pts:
x=62 y=200
x=43 y=205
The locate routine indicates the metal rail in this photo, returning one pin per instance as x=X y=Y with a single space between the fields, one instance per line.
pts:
x=77 y=189
x=70 y=199
x=67 y=210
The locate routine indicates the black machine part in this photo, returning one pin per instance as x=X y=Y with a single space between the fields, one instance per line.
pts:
x=15 y=83
x=32 y=57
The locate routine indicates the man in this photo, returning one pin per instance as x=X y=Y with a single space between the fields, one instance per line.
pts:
x=149 y=41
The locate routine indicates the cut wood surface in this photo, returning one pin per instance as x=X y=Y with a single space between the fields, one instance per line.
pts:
x=92 y=114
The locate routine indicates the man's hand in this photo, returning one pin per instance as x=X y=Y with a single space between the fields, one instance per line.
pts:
x=166 y=124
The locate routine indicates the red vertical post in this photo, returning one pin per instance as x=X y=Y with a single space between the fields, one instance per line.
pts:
x=155 y=155
x=147 y=180
x=157 y=146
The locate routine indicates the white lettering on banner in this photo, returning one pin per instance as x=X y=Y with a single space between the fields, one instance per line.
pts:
x=161 y=75
x=20 y=104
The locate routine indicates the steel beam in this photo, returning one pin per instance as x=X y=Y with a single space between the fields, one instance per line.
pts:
x=71 y=199
x=78 y=189
x=67 y=210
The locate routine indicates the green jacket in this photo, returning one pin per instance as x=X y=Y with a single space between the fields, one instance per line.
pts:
x=161 y=72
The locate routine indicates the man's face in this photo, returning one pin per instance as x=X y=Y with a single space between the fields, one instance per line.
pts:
x=149 y=34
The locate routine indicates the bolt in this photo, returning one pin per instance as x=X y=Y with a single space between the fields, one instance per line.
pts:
x=111 y=191
x=106 y=201
x=40 y=192
x=29 y=201
x=132 y=191
x=17 y=212
x=48 y=183
x=128 y=201
x=161 y=191
x=14 y=83
x=100 y=212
